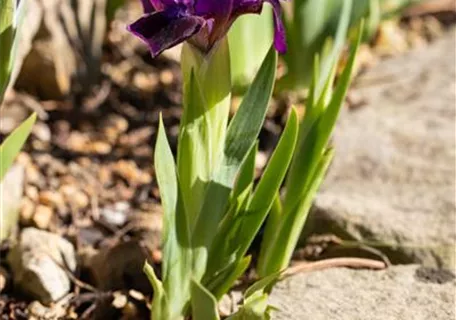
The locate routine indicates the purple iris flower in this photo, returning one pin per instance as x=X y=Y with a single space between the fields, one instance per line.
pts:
x=169 y=22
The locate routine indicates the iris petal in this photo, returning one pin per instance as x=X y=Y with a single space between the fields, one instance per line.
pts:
x=164 y=29
x=219 y=13
x=168 y=22
x=280 y=41
x=148 y=6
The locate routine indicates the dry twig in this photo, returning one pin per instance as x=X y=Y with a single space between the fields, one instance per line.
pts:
x=357 y=263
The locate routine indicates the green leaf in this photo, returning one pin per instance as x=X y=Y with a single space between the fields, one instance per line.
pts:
x=160 y=303
x=211 y=72
x=247 y=173
x=194 y=149
x=204 y=305
x=332 y=112
x=256 y=301
x=329 y=62
x=250 y=38
x=256 y=308
x=277 y=247
x=315 y=133
x=271 y=228
x=241 y=136
x=239 y=231
x=177 y=259
x=269 y=185
x=309 y=164
x=245 y=126
x=221 y=254
x=11 y=194
x=223 y=281
x=7 y=31
x=12 y=145
x=308 y=27
x=262 y=285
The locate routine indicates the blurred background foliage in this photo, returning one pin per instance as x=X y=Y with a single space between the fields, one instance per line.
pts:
x=62 y=42
x=311 y=26
x=64 y=39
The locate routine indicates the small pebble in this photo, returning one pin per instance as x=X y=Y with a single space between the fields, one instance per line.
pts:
x=52 y=199
x=77 y=199
x=32 y=193
x=4 y=276
x=166 y=77
x=37 y=259
x=100 y=147
x=130 y=172
x=42 y=217
x=42 y=131
x=27 y=211
x=120 y=300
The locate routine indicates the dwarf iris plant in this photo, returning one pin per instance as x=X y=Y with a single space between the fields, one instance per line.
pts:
x=212 y=208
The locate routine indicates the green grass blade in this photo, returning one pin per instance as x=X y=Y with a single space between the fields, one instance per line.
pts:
x=11 y=147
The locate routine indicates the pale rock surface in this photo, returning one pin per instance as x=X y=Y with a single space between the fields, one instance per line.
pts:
x=398 y=293
x=392 y=182
x=36 y=263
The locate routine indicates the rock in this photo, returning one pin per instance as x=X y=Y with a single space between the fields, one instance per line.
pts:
x=395 y=293
x=42 y=217
x=36 y=263
x=52 y=199
x=392 y=184
x=116 y=215
x=11 y=191
x=42 y=131
x=59 y=310
x=4 y=278
x=120 y=300
x=129 y=171
x=27 y=211
x=76 y=198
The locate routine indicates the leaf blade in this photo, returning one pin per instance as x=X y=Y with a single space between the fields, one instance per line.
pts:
x=12 y=145
x=177 y=265
x=204 y=305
